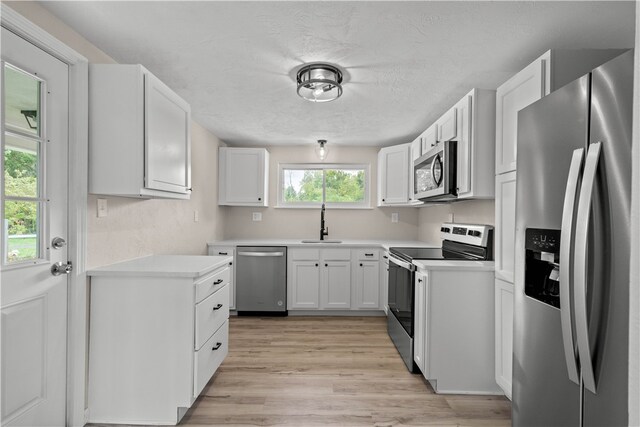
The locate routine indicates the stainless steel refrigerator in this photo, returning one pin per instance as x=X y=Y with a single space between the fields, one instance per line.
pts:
x=570 y=361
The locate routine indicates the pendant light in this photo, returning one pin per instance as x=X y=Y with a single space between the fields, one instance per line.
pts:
x=321 y=150
x=319 y=82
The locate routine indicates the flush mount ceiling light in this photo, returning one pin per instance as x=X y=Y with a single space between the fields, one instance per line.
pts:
x=321 y=150
x=319 y=82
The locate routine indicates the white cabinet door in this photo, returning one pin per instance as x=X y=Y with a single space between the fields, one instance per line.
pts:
x=394 y=175
x=305 y=284
x=521 y=90
x=463 y=145
x=504 y=335
x=429 y=138
x=336 y=285
x=367 y=284
x=416 y=151
x=167 y=138
x=447 y=128
x=505 y=228
x=419 y=333
x=243 y=176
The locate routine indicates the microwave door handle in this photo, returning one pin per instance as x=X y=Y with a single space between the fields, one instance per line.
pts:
x=580 y=266
x=566 y=243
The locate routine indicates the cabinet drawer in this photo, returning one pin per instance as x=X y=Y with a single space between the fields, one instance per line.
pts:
x=367 y=254
x=221 y=250
x=304 y=254
x=210 y=314
x=211 y=283
x=209 y=357
x=336 y=254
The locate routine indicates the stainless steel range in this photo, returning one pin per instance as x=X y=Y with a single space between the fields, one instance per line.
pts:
x=461 y=242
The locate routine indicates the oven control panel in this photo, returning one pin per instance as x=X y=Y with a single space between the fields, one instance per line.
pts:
x=472 y=234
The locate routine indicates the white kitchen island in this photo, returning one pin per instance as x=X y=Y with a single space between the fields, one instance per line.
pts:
x=158 y=332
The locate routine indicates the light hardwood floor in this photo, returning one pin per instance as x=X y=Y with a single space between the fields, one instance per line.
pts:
x=328 y=371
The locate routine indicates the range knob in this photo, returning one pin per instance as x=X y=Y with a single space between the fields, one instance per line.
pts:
x=445 y=229
x=474 y=233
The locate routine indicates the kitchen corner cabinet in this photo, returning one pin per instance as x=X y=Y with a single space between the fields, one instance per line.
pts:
x=159 y=331
x=366 y=279
x=504 y=335
x=552 y=70
x=228 y=251
x=139 y=135
x=243 y=176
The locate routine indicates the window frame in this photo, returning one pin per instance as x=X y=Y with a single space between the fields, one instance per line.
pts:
x=365 y=204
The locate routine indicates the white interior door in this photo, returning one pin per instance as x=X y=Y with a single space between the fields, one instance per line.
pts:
x=34 y=96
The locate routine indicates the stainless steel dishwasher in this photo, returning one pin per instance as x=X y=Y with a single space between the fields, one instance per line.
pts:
x=261 y=280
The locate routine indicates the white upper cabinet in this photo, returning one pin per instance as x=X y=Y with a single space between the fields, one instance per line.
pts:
x=475 y=142
x=243 y=176
x=139 y=134
x=447 y=129
x=429 y=138
x=554 y=69
x=393 y=175
x=523 y=89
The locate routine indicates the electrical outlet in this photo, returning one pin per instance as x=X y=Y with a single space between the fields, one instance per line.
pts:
x=394 y=217
x=102 y=208
x=196 y=217
x=257 y=216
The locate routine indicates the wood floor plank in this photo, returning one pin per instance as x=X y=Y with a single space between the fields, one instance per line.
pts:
x=328 y=371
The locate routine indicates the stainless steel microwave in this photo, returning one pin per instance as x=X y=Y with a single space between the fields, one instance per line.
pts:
x=435 y=173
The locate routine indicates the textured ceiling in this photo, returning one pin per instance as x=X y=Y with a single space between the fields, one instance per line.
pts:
x=405 y=63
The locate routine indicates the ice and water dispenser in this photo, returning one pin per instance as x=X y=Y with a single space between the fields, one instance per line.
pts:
x=542 y=265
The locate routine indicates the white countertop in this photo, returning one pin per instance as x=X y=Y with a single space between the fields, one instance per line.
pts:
x=164 y=266
x=454 y=265
x=349 y=243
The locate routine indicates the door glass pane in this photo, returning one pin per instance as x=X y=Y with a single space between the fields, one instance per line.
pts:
x=22 y=220
x=302 y=185
x=20 y=167
x=22 y=101
x=345 y=185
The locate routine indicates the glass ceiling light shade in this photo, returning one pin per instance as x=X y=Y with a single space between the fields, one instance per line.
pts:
x=319 y=82
x=321 y=150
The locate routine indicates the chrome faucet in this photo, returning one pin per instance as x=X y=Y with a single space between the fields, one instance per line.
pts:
x=324 y=231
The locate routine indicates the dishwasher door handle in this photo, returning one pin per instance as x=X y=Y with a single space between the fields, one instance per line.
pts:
x=261 y=254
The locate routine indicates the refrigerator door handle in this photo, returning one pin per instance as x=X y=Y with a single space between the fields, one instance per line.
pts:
x=566 y=243
x=580 y=266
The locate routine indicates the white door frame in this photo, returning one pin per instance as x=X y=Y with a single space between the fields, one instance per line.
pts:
x=78 y=173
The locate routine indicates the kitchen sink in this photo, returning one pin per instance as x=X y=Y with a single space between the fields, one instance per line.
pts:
x=321 y=241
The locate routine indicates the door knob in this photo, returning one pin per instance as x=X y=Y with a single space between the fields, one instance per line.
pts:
x=58 y=242
x=59 y=268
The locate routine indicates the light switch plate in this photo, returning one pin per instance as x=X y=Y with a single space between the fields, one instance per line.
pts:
x=102 y=208
x=257 y=216
x=394 y=217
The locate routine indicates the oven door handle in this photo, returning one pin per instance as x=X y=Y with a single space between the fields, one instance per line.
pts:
x=401 y=263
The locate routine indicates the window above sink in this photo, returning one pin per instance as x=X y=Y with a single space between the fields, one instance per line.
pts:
x=337 y=185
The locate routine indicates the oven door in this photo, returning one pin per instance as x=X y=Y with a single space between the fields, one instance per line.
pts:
x=435 y=173
x=401 y=292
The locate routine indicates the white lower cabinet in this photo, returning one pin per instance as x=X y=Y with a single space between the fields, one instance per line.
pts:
x=228 y=251
x=504 y=334
x=384 y=282
x=333 y=279
x=420 y=326
x=155 y=342
x=454 y=329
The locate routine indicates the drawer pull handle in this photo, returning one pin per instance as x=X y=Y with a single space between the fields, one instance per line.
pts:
x=368 y=254
x=217 y=282
x=217 y=346
x=217 y=307
x=223 y=253
x=385 y=257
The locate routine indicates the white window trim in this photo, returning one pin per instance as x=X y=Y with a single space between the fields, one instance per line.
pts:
x=366 y=204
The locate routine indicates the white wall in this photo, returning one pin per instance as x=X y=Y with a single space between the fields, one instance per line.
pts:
x=305 y=223
x=133 y=227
